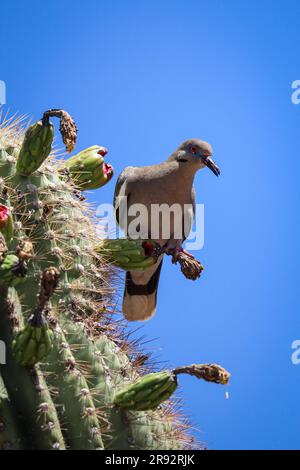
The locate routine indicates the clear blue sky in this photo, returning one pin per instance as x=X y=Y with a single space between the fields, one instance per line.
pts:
x=140 y=77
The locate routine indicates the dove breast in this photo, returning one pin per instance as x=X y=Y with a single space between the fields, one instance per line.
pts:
x=155 y=201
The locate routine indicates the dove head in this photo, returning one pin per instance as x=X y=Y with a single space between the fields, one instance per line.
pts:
x=196 y=153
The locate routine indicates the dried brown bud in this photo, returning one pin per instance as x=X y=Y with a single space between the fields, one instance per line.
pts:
x=67 y=128
x=190 y=267
x=209 y=372
x=68 y=131
x=24 y=250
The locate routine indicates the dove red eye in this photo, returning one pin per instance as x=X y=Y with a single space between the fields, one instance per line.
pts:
x=193 y=149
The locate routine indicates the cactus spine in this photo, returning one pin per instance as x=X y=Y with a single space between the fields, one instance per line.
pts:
x=66 y=358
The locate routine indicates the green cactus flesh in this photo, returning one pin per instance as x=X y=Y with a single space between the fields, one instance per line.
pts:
x=148 y=392
x=66 y=356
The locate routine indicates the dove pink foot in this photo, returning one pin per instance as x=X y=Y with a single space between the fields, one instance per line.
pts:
x=174 y=251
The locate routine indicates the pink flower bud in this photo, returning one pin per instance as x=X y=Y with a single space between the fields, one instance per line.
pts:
x=6 y=223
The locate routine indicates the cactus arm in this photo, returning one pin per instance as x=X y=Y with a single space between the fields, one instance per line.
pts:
x=107 y=365
x=74 y=399
x=101 y=379
x=10 y=436
x=29 y=395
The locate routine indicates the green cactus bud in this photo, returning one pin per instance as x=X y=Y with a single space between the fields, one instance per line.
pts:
x=133 y=255
x=148 y=392
x=6 y=223
x=33 y=342
x=36 y=147
x=12 y=271
x=87 y=169
x=151 y=390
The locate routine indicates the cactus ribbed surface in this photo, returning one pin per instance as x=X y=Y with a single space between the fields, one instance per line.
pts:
x=66 y=358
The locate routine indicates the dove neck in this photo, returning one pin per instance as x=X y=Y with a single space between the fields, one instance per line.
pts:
x=187 y=173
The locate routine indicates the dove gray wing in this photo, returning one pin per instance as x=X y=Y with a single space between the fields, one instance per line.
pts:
x=189 y=218
x=121 y=189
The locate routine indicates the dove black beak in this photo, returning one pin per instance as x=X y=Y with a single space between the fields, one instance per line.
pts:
x=211 y=165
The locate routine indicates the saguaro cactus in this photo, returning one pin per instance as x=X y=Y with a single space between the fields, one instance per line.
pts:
x=69 y=366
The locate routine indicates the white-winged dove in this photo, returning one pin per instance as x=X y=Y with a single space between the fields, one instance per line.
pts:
x=170 y=182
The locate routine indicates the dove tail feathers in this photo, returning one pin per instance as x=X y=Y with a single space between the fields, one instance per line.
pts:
x=140 y=293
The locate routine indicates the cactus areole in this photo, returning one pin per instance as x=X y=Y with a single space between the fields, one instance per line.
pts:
x=70 y=378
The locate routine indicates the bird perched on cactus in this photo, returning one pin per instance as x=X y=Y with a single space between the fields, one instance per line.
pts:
x=169 y=183
x=69 y=366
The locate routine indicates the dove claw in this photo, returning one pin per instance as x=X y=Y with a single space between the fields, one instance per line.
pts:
x=175 y=252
